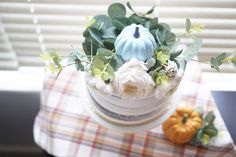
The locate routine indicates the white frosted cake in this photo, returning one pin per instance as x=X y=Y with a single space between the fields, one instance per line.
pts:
x=127 y=106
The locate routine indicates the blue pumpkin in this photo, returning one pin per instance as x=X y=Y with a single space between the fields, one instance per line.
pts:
x=135 y=41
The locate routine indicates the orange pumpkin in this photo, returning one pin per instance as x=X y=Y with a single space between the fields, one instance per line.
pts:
x=182 y=125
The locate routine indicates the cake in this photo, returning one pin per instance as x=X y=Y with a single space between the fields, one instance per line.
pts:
x=133 y=66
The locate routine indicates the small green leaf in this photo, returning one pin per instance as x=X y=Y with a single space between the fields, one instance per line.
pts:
x=109 y=43
x=129 y=6
x=192 y=49
x=196 y=140
x=137 y=19
x=214 y=64
x=210 y=130
x=95 y=35
x=182 y=63
x=151 y=10
x=162 y=80
x=210 y=117
x=205 y=140
x=162 y=57
x=90 y=45
x=153 y=24
x=116 y=10
x=175 y=54
x=217 y=61
x=188 y=25
x=110 y=71
x=169 y=39
x=105 y=76
x=116 y=62
x=121 y=22
x=232 y=60
x=79 y=65
x=105 y=53
x=165 y=26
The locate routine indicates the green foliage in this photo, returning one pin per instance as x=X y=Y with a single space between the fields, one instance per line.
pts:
x=217 y=61
x=121 y=22
x=99 y=35
x=77 y=59
x=52 y=61
x=150 y=11
x=162 y=57
x=105 y=63
x=129 y=6
x=207 y=131
x=192 y=49
x=161 y=78
x=116 y=10
x=188 y=25
x=164 y=36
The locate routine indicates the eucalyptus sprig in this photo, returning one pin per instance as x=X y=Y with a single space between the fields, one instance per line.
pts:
x=207 y=131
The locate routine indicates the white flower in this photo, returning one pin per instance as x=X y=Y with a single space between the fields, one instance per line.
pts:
x=163 y=91
x=132 y=80
x=99 y=84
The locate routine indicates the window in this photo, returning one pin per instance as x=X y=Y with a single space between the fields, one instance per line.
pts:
x=29 y=28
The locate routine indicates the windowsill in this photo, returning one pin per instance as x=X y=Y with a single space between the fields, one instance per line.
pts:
x=28 y=79
x=220 y=81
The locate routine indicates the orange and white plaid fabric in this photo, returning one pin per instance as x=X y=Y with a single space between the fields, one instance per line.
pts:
x=63 y=128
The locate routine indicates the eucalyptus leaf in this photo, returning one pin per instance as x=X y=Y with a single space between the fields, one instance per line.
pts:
x=210 y=130
x=217 y=61
x=165 y=26
x=192 y=50
x=95 y=34
x=129 y=6
x=151 y=10
x=196 y=140
x=188 y=25
x=137 y=19
x=121 y=22
x=90 y=46
x=176 y=62
x=153 y=24
x=116 y=62
x=116 y=10
x=105 y=52
x=160 y=36
x=170 y=39
x=210 y=117
x=79 y=65
x=110 y=71
x=175 y=54
x=182 y=64
x=97 y=63
x=109 y=43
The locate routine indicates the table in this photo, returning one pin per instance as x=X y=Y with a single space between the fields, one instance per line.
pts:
x=64 y=129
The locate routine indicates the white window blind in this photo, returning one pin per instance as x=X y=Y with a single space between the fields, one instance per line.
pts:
x=219 y=18
x=40 y=25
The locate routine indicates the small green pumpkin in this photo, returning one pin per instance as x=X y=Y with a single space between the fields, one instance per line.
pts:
x=135 y=41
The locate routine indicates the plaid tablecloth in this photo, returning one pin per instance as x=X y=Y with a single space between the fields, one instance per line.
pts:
x=63 y=128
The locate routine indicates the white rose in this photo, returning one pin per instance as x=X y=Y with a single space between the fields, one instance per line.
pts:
x=132 y=80
x=99 y=84
x=168 y=89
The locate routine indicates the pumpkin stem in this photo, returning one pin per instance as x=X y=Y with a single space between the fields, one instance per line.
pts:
x=136 y=33
x=185 y=118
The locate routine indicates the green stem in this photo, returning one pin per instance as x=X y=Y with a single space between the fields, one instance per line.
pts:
x=185 y=118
